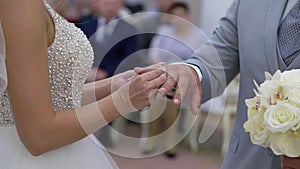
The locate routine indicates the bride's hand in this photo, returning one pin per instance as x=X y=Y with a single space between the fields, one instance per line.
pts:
x=121 y=79
x=135 y=94
x=290 y=163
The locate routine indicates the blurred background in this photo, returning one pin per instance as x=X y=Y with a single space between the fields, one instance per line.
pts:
x=123 y=37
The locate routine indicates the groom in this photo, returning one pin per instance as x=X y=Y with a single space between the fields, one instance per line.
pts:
x=255 y=36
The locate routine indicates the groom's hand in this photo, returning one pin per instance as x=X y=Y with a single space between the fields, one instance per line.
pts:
x=185 y=80
x=290 y=163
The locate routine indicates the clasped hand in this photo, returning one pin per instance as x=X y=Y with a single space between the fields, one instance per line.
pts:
x=136 y=90
x=183 y=78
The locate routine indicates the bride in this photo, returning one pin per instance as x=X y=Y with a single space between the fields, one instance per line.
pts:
x=47 y=114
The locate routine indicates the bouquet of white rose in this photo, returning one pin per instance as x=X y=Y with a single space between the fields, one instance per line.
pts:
x=274 y=113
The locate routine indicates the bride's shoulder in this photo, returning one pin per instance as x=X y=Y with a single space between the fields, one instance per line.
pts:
x=23 y=18
x=21 y=10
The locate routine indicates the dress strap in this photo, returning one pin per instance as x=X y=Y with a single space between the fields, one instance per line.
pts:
x=3 y=73
x=49 y=8
x=55 y=18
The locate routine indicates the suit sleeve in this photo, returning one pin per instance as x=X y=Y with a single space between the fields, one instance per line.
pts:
x=218 y=59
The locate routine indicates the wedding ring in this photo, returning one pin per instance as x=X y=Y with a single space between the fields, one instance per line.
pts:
x=171 y=94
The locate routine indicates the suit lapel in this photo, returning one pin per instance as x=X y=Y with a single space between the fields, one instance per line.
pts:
x=273 y=18
x=295 y=64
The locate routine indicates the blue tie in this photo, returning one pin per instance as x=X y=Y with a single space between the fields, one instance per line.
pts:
x=289 y=35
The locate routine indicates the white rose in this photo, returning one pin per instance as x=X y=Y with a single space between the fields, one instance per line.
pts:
x=282 y=117
x=286 y=144
x=294 y=95
x=255 y=125
x=290 y=80
x=291 y=77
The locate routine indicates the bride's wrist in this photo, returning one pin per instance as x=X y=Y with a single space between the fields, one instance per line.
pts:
x=102 y=88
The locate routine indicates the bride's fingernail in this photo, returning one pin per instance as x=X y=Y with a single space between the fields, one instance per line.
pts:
x=176 y=101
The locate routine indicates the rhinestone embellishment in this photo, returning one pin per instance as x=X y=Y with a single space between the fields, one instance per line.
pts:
x=70 y=58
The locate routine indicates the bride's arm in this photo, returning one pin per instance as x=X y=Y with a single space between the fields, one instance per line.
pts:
x=98 y=90
x=95 y=91
x=40 y=128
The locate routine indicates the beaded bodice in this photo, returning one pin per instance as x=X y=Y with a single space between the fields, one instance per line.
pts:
x=69 y=60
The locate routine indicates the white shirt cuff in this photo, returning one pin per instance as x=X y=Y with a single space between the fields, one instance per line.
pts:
x=196 y=68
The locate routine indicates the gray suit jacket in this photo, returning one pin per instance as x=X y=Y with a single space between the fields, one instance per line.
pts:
x=245 y=43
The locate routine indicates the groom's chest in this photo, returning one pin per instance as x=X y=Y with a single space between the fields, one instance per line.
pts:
x=257 y=26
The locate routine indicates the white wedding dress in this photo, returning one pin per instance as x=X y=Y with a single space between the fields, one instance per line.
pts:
x=70 y=58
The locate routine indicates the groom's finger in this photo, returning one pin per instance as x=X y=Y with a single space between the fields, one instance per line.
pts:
x=140 y=70
x=168 y=85
x=182 y=89
x=195 y=102
x=152 y=74
x=156 y=82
